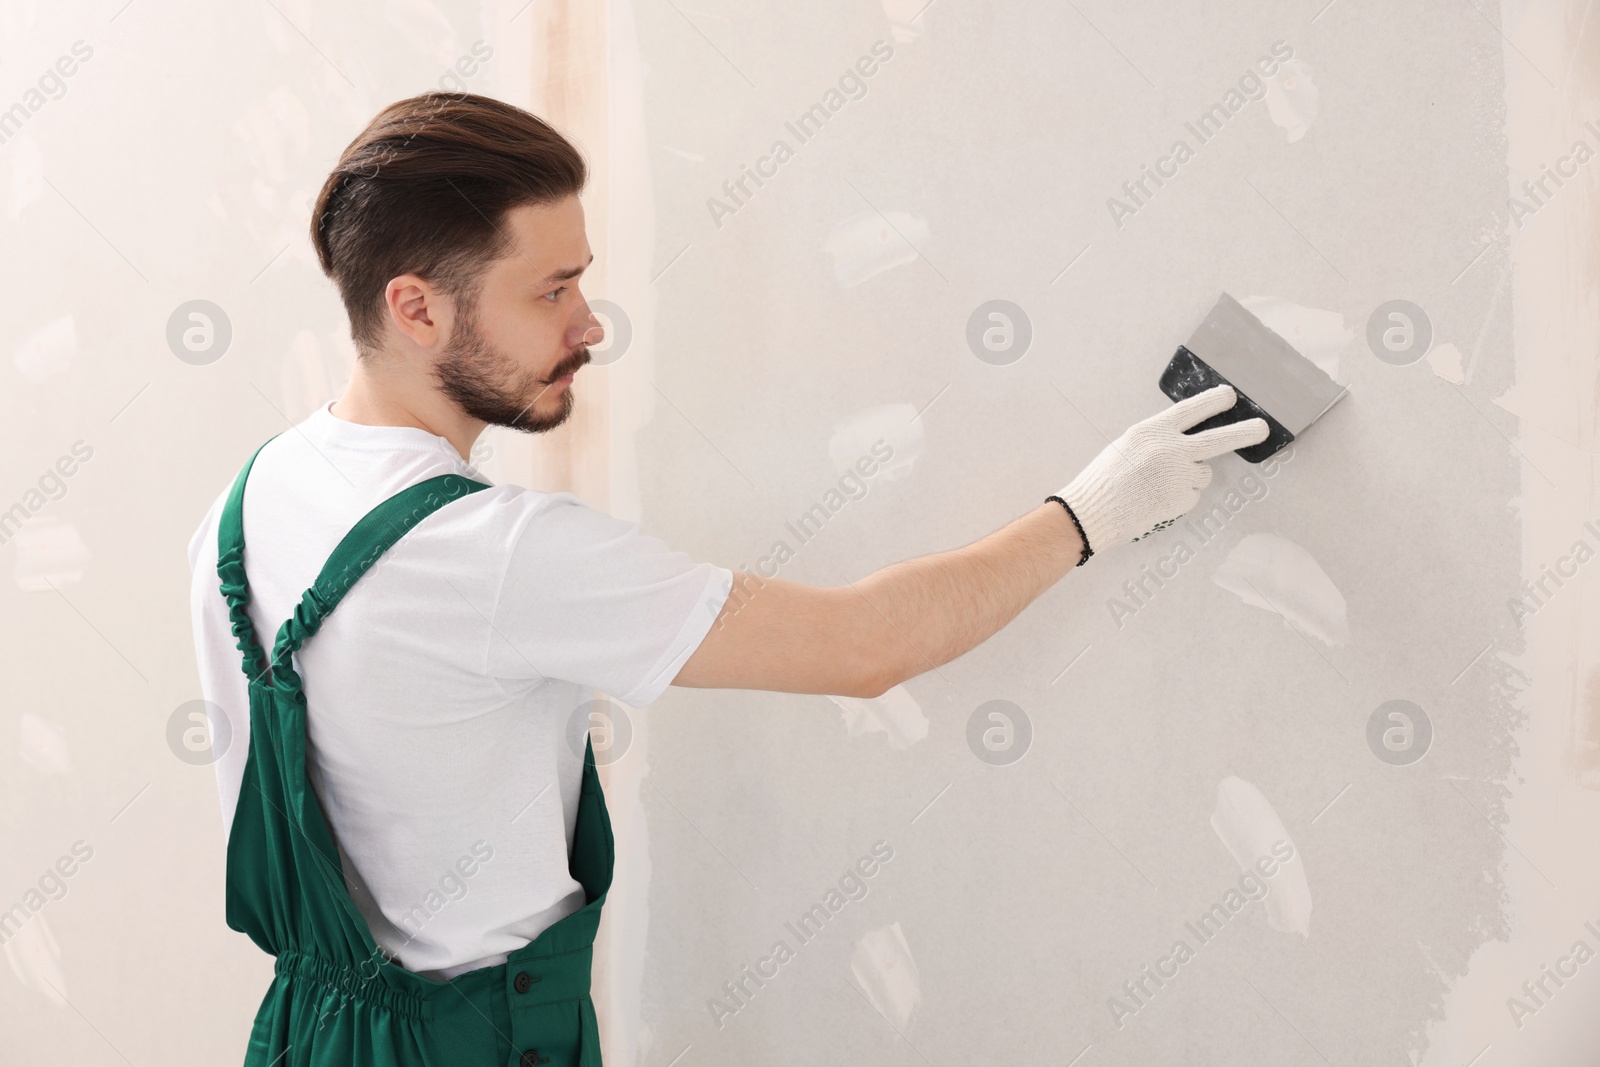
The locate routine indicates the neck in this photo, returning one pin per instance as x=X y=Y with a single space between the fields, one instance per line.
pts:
x=389 y=396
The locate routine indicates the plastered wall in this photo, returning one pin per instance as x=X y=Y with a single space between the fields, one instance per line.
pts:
x=981 y=255
x=1307 y=778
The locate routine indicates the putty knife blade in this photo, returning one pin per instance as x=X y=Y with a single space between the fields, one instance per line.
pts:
x=1273 y=380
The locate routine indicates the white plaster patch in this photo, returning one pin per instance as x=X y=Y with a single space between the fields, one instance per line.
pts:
x=43 y=744
x=47 y=350
x=1445 y=360
x=1275 y=574
x=49 y=553
x=870 y=243
x=896 y=425
x=885 y=972
x=1249 y=827
x=1316 y=334
x=1292 y=98
x=896 y=714
x=903 y=21
x=36 y=959
x=27 y=173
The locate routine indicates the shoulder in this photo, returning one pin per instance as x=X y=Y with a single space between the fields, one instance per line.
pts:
x=506 y=514
x=205 y=533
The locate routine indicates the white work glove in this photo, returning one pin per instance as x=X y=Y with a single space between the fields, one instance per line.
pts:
x=1153 y=474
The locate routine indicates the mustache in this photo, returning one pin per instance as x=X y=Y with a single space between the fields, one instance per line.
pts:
x=568 y=366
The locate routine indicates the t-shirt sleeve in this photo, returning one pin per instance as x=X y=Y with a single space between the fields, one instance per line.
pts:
x=591 y=599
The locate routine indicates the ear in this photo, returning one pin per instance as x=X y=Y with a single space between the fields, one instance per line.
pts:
x=418 y=310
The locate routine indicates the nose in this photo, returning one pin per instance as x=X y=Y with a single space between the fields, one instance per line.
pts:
x=593 y=332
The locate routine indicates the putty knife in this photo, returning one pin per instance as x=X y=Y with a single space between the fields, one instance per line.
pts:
x=1274 y=382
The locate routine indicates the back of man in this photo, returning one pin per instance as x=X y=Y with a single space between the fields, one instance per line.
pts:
x=442 y=692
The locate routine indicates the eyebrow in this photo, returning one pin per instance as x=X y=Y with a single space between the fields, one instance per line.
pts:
x=570 y=272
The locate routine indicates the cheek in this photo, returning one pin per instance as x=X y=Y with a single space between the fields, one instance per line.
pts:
x=515 y=330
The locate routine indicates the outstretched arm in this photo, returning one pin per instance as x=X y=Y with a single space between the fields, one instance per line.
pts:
x=864 y=638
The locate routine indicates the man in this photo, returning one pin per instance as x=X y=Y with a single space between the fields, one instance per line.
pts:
x=412 y=834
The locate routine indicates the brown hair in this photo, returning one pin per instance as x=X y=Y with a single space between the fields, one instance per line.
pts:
x=423 y=190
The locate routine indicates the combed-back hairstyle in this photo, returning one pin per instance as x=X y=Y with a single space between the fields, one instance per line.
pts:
x=424 y=190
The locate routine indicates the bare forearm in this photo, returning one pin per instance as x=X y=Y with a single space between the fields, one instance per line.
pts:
x=866 y=637
x=922 y=613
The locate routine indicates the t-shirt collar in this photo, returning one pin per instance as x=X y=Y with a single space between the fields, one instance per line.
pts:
x=332 y=427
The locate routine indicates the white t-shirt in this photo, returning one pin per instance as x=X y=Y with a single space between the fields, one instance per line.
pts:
x=440 y=691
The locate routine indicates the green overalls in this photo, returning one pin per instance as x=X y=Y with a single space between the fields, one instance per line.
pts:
x=336 y=998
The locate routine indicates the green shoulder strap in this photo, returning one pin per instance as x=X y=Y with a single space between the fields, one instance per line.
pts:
x=373 y=535
x=370 y=538
x=230 y=568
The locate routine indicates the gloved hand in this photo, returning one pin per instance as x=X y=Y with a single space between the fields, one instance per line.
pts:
x=1154 y=472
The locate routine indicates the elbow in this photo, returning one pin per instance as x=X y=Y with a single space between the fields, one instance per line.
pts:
x=871 y=665
x=868 y=692
x=874 y=681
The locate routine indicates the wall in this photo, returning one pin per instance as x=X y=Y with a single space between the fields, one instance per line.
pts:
x=1042 y=819
x=1182 y=704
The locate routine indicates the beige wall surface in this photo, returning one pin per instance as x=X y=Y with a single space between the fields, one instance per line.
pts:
x=971 y=235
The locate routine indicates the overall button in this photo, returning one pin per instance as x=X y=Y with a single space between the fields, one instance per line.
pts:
x=531 y=1058
x=523 y=980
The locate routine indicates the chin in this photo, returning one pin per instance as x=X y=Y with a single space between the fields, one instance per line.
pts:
x=538 y=420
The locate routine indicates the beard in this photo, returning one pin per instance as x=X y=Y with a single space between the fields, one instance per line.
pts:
x=487 y=385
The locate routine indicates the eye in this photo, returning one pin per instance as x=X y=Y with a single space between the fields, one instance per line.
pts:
x=555 y=293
